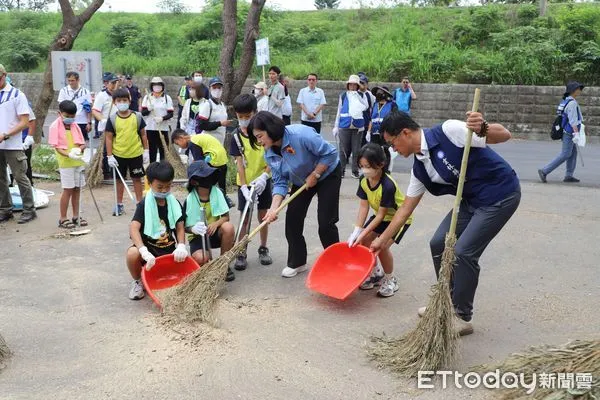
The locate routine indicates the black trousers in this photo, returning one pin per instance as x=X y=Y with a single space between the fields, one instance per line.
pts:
x=287 y=119
x=28 y=153
x=223 y=178
x=475 y=229
x=328 y=192
x=155 y=144
x=315 y=125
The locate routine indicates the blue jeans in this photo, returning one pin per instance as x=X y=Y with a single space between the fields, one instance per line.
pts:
x=568 y=153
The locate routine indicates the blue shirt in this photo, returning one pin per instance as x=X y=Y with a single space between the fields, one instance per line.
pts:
x=403 y=100
x=301 y=150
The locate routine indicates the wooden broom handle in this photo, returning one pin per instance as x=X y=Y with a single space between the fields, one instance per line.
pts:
x=281 y=207
x=463 y=168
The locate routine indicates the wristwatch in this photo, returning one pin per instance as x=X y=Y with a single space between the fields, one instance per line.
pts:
x=318 y=176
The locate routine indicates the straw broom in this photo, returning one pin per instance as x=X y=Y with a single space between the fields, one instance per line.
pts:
x=195 y=299
x=4 y=351
x=173 y=158
x=94 y=174
x=433 y=344
x=575 y=357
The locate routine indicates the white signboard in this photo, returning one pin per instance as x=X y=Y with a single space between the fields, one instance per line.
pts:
x=262 y=52
x=88 y=64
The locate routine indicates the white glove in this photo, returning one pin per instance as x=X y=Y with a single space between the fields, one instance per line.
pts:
x=199 y=229
x=112 y=162
x=75 y=154
x=368 y=136
x=184 y=159
x=354 y=235
x=335 y=131
x=148 y=257
x=246 y=192
x=158 y=120
x=146 y=157
x=260 y=183
x=180 y=253
x=28 y=142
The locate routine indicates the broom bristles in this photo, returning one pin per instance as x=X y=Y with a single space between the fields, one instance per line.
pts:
x=174 y=159
x=94 y=173
x=194 y=299
x=4 y=351
x=575 y=357
x=433 y=344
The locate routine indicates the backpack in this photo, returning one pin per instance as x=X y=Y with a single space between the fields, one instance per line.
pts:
x=138 y=116
x=557 y=130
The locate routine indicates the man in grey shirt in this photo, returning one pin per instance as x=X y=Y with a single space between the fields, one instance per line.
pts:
x=571 y=123
x=276 y=92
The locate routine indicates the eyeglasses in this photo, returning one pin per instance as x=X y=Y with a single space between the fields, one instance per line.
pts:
x=404 y=81
x=311 y=79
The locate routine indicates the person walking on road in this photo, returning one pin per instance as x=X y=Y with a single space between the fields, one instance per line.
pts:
x=571 y=124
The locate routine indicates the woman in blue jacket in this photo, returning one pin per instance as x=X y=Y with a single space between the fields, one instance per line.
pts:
x=297 y=155
x=490 y=197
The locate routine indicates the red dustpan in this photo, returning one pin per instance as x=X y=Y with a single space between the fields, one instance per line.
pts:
x=166 y=273
x=340 y=270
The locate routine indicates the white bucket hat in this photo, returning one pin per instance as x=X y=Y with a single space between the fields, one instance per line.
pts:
x=353 y=79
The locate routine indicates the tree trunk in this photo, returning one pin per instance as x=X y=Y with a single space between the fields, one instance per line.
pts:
x=543 y=4
x=71 y=27
x=235 y=78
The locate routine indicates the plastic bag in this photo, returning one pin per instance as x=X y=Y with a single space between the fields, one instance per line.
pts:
x=579 y=139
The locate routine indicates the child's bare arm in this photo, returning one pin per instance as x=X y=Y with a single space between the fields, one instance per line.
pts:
x=134 y=232
x=62 y=152
x=212 y=227
x=180 y=232
x=109 y=142
x=144 y=138
x=241 y=170
x=363 y=211
x=373 y=224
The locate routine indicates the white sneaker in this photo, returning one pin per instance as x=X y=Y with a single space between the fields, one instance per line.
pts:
x=389 y=286
x=137 y=290
x=462 y=327
x=374 y=279
x=291 y=272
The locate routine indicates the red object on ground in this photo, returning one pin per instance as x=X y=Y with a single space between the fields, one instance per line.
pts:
x=166 y=273
x=340 y=270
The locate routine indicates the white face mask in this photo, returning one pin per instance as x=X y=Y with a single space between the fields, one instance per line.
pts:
x=244 y=123
x=198 y=79
x=368 y=172
x=157 y=89
x=216 y=93
x=257 y=92
x=122 y=106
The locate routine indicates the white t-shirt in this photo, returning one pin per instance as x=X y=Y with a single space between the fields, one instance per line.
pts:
x=103 y=104
x=287 y=106
x=262 y=103
x=219 y=113
x=160 y=107
x=455 y=131
x=11 y=108
x=77 y=96
x=311 y=100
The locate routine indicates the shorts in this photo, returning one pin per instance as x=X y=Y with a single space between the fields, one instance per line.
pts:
x=264 y=200
x=134 y=165
x=73 y=177
x=383 y=226
x=196 y=242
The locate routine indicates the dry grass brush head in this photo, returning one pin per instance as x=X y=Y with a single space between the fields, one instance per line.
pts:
x=5 y=352
x=94 y=173
x=173 y=158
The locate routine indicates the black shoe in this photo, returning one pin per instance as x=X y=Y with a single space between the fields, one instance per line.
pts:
x=263 y=256
x=230 y=275
x=571 y=179
x=542 y=176
x=6 y=216
x=230 y=202
x=240 y=263
x=355 y=175
x=27 y=217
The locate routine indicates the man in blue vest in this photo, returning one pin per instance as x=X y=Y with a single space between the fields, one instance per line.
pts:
x=490 y=197
x=404 y=95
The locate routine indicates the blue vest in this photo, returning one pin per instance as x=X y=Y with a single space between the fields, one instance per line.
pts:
x=377 y=116
x=489 y=177
x=565 y=118
x=345 y=119
x=403 y=100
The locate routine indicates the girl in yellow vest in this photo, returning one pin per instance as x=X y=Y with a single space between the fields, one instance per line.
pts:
x=377 y=190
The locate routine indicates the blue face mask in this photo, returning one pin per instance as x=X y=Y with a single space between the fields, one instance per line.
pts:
x=161 y=195
x=68 y=121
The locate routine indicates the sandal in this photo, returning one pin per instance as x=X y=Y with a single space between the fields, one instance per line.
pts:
x=76 y=221
x=66 y=224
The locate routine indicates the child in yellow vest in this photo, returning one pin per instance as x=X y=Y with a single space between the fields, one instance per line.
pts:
x=252 y=169
x=377 y=190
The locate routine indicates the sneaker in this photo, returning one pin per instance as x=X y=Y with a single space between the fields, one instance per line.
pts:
x=137 y=290
x=355 y=175
x=542 y=176
x=291 y=272
x=230 y=275
x=6 y=216
x=571 y=179
x=240 y=263
x=373 y=280
x=230 y=202
x=27 y=217
x=119 y=210
x=263 y=256
x=389 y=286
x=462 y=327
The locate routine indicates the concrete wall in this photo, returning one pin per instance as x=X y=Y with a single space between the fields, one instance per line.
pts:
x=527 y=111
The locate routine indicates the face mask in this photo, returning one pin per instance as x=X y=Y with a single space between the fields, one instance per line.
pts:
x=160 y=195
x=380 y=97
x=198 y=79
x=368 y=172
x=68 y=121
x=257 y=92
x=244 y=123
x=157 y=89
x=122 y=106
x=192 y=93
x=216 y=93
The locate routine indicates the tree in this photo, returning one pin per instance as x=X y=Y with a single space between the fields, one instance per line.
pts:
x=71 y=27
x=323 y=4
x=79 y=5
x=233 y=78
x=33 y=5
x=172 y=6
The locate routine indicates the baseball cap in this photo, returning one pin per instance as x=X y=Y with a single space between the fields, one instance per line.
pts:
x=261 y=85
x=109 y=77
x=215 y=81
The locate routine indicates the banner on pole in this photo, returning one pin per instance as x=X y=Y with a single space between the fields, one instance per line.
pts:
x=262 y=52
x=88 y=64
